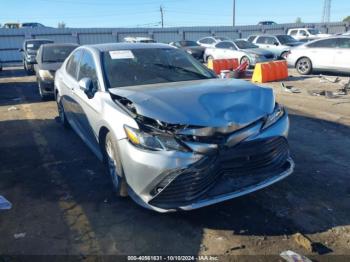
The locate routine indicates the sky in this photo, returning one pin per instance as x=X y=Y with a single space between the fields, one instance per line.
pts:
x=146 y=13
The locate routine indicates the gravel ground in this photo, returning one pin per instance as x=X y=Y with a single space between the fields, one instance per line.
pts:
x=63 y=202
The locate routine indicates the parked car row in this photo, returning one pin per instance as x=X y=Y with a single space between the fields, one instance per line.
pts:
x=22 y=25
x=43 y=58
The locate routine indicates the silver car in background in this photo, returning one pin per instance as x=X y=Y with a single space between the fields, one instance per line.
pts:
x=210 y=41
x=171 y=134
x=330 y=54
x=279 y=45
x=242 y=50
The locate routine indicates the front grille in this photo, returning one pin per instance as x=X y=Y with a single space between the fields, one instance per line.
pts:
x=247 y=159
x=270 y=56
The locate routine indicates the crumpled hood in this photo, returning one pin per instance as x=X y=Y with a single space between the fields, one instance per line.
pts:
x=213 y=103
x=257 y=51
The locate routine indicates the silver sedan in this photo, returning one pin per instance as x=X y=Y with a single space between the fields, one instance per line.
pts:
x=172 y=135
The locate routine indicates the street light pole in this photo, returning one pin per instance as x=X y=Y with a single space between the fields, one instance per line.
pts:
x=234 y=13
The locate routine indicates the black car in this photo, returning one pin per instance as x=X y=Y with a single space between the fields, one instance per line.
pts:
x=31 y=25
x=190 y=47
x=29 y=51
x=49 y=59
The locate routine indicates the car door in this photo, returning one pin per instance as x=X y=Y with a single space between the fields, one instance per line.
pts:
x=268 y=43
x=68 y=83
x=302 y=34
x=225 y=50
x=342 y=54
x=322 y=53
x=88 y=110
x=261 y=41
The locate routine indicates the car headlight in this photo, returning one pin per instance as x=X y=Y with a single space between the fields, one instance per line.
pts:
x=45 y=74
x=189 y=51
x=153 y=142
x=272 y=118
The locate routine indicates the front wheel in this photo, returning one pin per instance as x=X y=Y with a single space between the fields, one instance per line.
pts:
x=304 y=66
x=43 y=96
x=114 y=166
x=61 y=112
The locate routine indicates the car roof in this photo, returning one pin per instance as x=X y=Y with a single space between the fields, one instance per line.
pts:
x=126 y=46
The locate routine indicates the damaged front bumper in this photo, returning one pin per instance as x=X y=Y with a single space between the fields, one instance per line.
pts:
x=170 y=180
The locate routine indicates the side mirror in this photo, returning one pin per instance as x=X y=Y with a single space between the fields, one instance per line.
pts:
x=276 y=43
x=87 y=86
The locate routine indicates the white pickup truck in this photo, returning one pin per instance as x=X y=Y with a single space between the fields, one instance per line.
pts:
x=306 y=34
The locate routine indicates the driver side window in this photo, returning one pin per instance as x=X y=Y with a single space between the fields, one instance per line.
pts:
x=87 y=69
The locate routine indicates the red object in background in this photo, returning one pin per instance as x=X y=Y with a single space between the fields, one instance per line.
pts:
x=224 y=64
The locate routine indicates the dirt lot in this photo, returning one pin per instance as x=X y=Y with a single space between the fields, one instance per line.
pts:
x=64 y=203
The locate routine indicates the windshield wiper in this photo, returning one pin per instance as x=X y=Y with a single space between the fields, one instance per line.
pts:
x=182 y=69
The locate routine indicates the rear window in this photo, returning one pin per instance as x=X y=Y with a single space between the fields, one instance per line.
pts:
x=56 y=54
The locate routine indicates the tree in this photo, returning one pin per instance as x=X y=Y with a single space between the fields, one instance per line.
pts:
x=61 y=25
x=298 y=20
x=347 y=19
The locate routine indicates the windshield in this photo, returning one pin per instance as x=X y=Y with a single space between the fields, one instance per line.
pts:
x=286 y=39
x=188 y=43
x=56 y=54
x=314 y=31
x=242 y=44
x=34 y=45
x=151 y=66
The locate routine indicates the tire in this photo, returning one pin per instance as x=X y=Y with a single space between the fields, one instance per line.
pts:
x=243 y=59
x=61 y=112
x=284 y=55
x=304 y=66
x=114 y=165
x=209 y=57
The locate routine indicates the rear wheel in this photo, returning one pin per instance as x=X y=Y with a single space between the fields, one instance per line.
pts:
x=304 y=66
x=284 y=55
x=210 y=58
x=245 y=59
x=114 y=165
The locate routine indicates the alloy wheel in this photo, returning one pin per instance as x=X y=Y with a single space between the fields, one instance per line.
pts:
x=245 y=59
x=304 y=66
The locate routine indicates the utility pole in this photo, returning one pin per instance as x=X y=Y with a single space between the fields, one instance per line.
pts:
x=161 y=15
x=326 y=15
x=234 y=13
